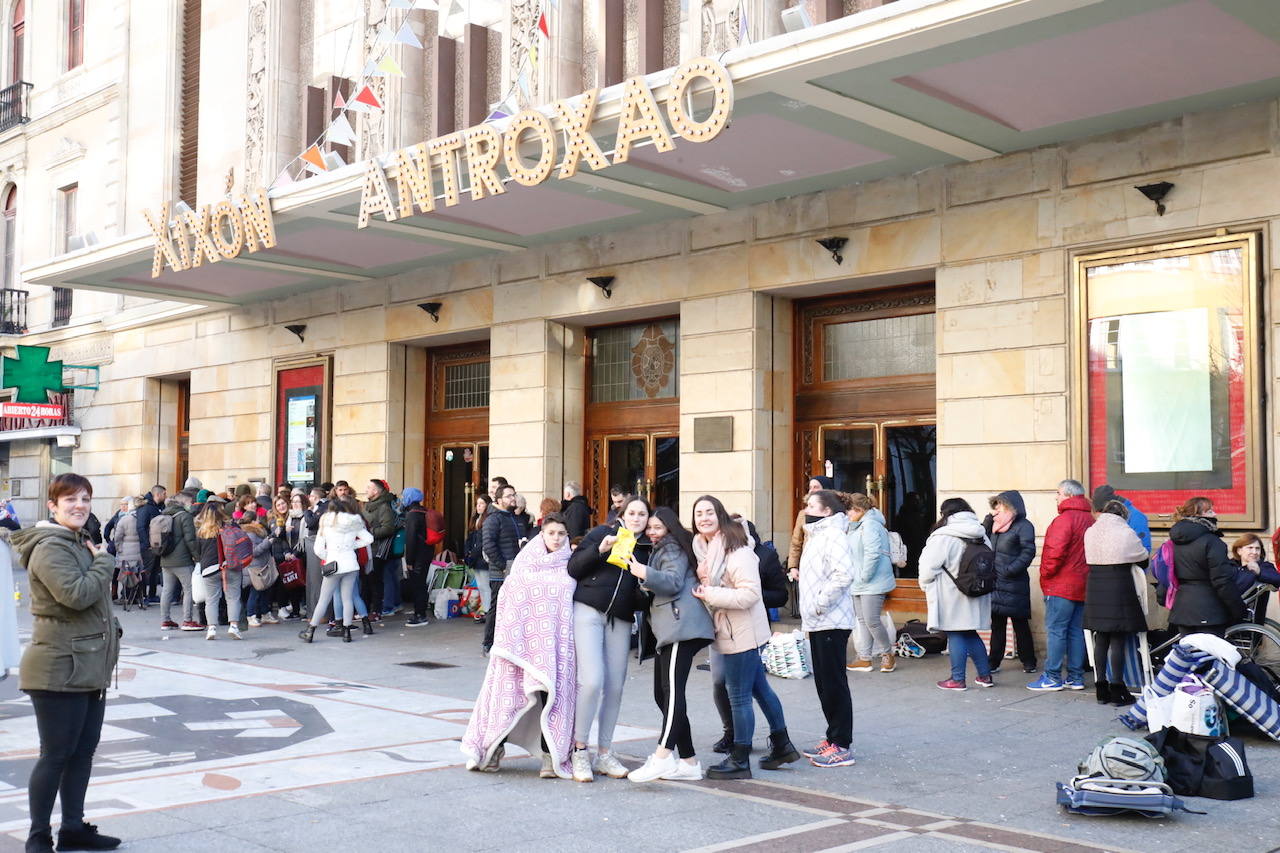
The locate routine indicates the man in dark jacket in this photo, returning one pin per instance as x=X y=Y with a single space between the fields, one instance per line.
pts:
x=380 y=517
x=1208 y=600
x=149 y=510
x=576 y=511
x=1013 y=538
x=1063 y=574
x=500 y=543
x=423 y=531
x=178 y=565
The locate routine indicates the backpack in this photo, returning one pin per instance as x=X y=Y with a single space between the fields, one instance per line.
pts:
x=160 y=534
x=1097 y=796
x=976 y=575
x=235 y=548
x=1124 y=758
x=897 y=550
x=1166 y=578
x=773 y=580
x=398 y=540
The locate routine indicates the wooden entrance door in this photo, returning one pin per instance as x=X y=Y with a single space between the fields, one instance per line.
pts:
x=633 y=413
x=865 y=403
x=457 y=434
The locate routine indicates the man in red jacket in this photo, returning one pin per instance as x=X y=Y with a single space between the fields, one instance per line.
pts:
x=1063 y=572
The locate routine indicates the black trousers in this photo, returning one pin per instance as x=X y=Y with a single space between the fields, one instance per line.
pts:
x=371 y=585
x=670 y=675
x=1109 y=648
x=830 y=655
x=417 y=587
x=69 y=725
x=491 y=618
x=1022 y=634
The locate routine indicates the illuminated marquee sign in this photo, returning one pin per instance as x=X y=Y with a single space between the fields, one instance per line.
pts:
x=187 y=238
x=484 y=147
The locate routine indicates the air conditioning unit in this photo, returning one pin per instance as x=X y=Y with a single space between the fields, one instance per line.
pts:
x=795 y=18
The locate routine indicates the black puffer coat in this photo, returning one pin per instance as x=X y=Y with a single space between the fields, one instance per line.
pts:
x=601 y=584
x=1207 y=592
x=1015 y=549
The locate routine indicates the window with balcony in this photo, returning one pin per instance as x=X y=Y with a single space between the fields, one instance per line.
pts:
x=75 y=33
x=13 y=97
x=17 y=39
x=61 y=306
x=9 y=233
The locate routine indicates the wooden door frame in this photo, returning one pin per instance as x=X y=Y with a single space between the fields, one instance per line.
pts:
x=452 y=427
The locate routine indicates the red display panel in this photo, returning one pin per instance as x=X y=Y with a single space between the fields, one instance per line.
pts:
x=301 y=409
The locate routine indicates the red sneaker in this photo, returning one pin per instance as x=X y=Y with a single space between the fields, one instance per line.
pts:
x=952 y=684
x=168 y=625
x=192 y=626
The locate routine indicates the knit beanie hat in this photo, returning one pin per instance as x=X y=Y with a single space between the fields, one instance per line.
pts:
x=1102 y=495
x=202 y=496
x=193 y=483
x=410 y=495
x=826 y=482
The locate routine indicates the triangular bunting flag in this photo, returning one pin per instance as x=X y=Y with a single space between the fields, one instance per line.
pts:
x=333 y=160
x=542 y=25
x=523 y=82
x=406 y=36
x=314 y=159
x=370 y=68
x=283 y=179
x=743 y=36
x=368 y=98
x=388 y=67
x=496 y=114
x=385 y=36
x=399 y=4
x=340 y=132
x=339 y=102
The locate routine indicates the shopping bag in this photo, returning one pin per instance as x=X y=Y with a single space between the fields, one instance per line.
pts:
x=1194 y=708
x=199 y=593
x=443 y=599
x=787 y=655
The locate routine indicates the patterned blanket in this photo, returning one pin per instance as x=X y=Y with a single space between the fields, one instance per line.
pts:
x=530 y=686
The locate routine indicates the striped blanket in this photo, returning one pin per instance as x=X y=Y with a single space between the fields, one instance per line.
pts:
x=1234 y=689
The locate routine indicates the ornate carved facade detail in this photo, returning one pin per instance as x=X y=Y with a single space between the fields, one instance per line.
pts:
x=652 y=360
x=373 y=123
x=255 y=127
x=524 y=31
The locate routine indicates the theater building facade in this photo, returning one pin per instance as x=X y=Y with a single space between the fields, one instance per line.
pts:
x=924 y=248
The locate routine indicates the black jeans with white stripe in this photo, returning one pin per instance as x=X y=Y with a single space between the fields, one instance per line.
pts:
x=670 y=674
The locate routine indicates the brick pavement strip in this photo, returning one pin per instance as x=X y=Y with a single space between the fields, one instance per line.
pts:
x=268 y=744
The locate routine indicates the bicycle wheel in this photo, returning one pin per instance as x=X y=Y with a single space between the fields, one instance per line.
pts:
x=1260 y=643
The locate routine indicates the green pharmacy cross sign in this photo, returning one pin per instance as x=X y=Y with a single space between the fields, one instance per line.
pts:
x=33 y=374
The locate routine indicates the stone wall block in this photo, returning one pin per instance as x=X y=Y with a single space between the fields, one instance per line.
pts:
x=720 y=229
x=990 y=229
x=793 y=215
x=904 y=245
x=984 y=467
x=1137 y=151
x=1240 y=191
x=786 y=262
x=1016 y=174
x=1017 y=325
x=894 y=197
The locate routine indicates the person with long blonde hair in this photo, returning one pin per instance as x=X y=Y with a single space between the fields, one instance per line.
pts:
x=224 y=582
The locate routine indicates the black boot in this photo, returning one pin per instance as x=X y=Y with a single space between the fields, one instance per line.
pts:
x=307 y=634
x=346 y=633
x=40 y=842
x=782 y=751
x=1103 y=691
x=365 y=626
x=1120 y=695
x=736 y=765
x=725 y=743
x=86 y=837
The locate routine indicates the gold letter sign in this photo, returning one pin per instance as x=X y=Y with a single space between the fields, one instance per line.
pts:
x=212 y=233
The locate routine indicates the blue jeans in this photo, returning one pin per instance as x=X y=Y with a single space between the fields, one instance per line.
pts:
x=361 y=610
x=962 y=645
x=259 y=602
x=1064 y=625
x=391 y=584
x=744 y=677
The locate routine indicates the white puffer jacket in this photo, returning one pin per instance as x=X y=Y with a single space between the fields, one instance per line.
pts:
x=826 y=570
x=340 y=534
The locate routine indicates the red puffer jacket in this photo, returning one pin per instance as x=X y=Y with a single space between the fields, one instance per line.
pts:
x=1063 y=570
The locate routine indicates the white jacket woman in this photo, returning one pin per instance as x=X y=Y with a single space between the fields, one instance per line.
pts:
x=826 y=570
x=949 y=608
x=339 y=536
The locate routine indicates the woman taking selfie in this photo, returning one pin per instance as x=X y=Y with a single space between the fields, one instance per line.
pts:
x=729 y=584
x=604 y=604
x=75 y=641
x=682 y=627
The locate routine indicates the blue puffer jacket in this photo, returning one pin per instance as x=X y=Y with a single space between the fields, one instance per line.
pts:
x=872 y=565
x=1015 y=549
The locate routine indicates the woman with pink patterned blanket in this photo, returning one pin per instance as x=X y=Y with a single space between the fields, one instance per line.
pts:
x=530 y=687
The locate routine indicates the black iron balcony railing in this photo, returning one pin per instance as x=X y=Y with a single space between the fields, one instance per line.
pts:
x=61 y=306
x=13 y=311
x=13 y=105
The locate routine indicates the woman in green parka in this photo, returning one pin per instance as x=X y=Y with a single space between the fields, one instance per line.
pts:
x=66 y=670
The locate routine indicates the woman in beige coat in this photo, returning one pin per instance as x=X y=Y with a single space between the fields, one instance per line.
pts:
x=729 y=584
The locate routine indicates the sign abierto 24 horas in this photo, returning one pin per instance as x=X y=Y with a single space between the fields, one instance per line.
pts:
x=227 y=228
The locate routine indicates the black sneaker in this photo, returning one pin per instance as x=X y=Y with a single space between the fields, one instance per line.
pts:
x=86 y=837
x=1030 y=669
x=416 y=621
x=40 y=842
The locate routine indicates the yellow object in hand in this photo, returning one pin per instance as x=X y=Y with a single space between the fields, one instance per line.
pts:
x=620 y=554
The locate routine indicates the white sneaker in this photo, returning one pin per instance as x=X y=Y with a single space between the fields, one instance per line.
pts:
x=211 y=633
x=654 y=768
x=286 y=610
x=270 y=619
x=685 y=772
x=254 y=623
x=608 y=764
x=582 y=766
x=548 y=770
x=234 y=632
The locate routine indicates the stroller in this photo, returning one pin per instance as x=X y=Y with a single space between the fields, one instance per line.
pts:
x=131 y=587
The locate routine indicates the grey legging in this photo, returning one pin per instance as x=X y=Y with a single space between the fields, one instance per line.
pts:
x=174 y=577
x=870 y=639
x=603 y=647
x=233 y=579
x=342 y=585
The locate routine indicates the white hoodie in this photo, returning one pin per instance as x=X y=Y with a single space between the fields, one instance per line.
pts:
x=949 y=608
x=826 y=570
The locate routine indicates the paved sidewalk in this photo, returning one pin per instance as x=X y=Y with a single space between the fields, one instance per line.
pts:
x=270 y=744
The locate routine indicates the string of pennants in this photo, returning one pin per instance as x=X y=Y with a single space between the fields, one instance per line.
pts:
x=340 y=131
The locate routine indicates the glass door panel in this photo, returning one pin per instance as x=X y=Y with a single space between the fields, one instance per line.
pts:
x=458 y=462
x=910 y=485
x=625 y=464
x=849 y=456
x=482 y=473
x=666 y=472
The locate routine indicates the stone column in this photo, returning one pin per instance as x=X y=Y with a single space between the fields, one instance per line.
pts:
x=536 y=406
x=368 y=388
x=726 y=358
